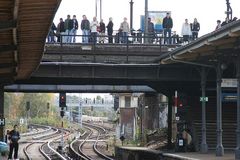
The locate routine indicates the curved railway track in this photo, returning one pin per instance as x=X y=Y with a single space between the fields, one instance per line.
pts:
x=44 y=149
x=87 y=148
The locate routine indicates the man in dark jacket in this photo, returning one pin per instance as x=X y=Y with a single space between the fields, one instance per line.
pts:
x=150 y=30
x=75 y=28
x=68 y=26
x=167 y=28
x=60 y=30
x=110 y=30
x=13 y=137
x=85 y=26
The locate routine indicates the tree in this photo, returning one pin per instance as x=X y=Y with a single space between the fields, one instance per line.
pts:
x=38 y=104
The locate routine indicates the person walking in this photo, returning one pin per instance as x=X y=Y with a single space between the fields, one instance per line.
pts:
x=75 y=28
x=167 y=28
x=110 y=30
x=186 y=31
x=85 y=27
x=124 y=27
x=195 y=27
x=13 y=137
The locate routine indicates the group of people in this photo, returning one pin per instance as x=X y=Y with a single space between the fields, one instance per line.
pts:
x=219 y=24
x=66 y=30
x=189 y=30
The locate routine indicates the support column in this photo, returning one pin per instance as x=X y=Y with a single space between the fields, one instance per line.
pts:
x=237 y=151
x=170 y=104
x=219 y=148
x=152 y=110
x=204 y=146
x=1 y=111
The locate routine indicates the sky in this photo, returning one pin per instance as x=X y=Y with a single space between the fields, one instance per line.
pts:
x=206 y=11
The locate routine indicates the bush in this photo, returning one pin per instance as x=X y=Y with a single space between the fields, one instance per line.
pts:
x=51 y=121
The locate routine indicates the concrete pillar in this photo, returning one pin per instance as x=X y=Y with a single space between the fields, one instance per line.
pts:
x=219 y=148
x=204 y=146
x=152 y=111
x=237 y=151
x=170 y=104
x=1 y=111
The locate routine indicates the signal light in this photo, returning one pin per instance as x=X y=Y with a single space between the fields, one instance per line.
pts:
x=62 y=113
x=62 y=100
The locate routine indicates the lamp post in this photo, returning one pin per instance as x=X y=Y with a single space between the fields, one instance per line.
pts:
x=146 y=22
x=96 y=8
x=100 y=9
x=131 y=15
x=229 y=10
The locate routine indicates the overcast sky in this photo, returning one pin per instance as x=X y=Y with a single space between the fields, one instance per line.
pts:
x=206 y=11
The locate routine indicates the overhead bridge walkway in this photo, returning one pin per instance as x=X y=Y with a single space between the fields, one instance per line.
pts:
x=116 y=67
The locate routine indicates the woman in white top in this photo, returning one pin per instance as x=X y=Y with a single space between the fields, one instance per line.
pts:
x=186 y=31
x=93 y=26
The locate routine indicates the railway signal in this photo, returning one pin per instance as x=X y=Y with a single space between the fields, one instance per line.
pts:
x=62 y=113
x=62 y=100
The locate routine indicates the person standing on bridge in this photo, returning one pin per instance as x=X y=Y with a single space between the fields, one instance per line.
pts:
x=186 y=31
x=14 y=136
x=102 y=29
x=60 y=30
x=195 y=27
x=110 y=30
x=94 y=25
x=150 y=30
x=167 y=28
x=218 y=25
x=68 y=26
x=75 y=28
x=124 y=27
x=85 y=26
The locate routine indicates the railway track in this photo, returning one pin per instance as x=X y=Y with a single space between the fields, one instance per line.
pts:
x=43 y=146
x=87 y=148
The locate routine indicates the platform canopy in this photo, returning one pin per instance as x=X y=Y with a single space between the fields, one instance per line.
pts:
x=24 y=25
x=223 y=43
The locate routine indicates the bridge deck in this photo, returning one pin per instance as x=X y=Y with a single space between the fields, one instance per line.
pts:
x=105 y=53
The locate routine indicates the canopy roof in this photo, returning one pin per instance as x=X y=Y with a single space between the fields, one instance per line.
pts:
x=24 y=25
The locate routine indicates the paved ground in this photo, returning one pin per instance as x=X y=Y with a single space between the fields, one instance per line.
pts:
x=229 y=155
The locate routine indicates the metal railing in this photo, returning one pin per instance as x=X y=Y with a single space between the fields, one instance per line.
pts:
x=155 y=39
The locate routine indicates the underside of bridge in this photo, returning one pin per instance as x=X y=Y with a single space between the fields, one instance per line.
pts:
x=24 y=26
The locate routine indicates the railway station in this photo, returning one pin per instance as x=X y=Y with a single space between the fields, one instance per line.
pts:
x=164 y=98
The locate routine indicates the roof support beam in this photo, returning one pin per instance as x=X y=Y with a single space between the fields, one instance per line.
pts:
x=6 y=25
x=5 y=48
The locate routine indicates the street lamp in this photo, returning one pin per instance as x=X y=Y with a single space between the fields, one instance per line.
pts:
x=96 y=8
x=229 y=10
x=146 y=22
x=131 y=15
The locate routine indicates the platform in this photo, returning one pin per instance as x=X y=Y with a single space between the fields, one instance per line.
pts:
x=229 y=155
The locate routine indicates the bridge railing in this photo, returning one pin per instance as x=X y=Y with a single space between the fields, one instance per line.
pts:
x=122 y=49
x=156 y=39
